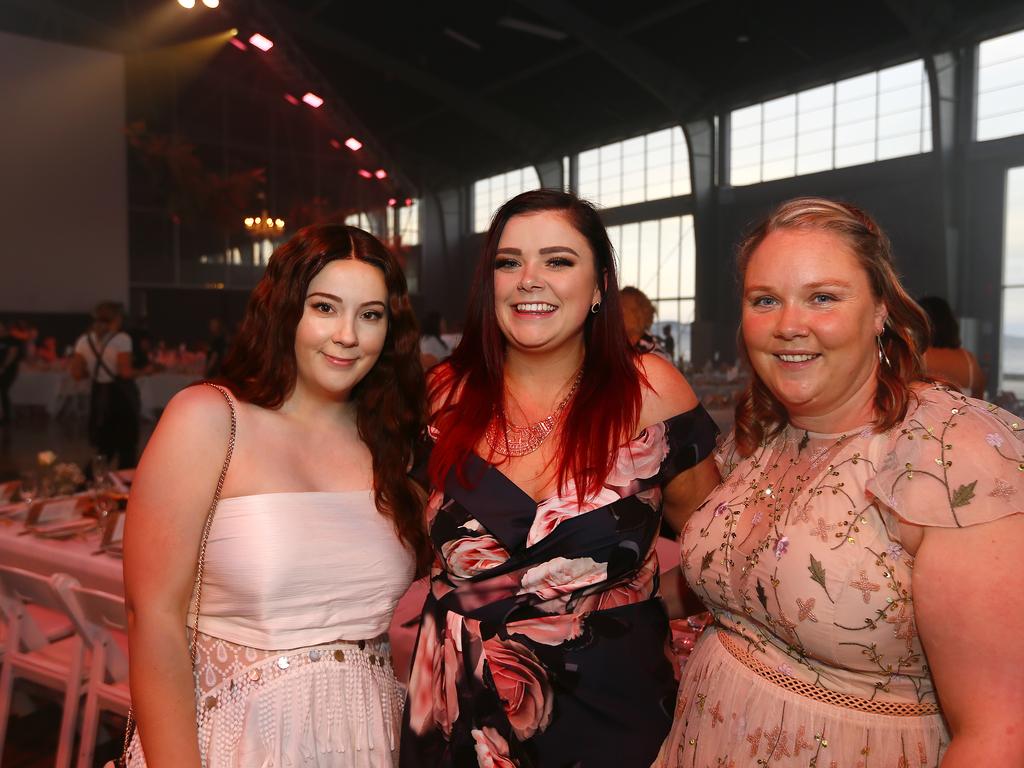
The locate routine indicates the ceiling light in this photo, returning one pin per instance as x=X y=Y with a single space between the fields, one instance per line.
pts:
x=211 y=3
x=353 y=143
x=187 y=3
x=261 y=42
x=365 y=173
x=380 y=173
x=313 y=100
x=335 y=144
x=291 y=99
x=238 y=44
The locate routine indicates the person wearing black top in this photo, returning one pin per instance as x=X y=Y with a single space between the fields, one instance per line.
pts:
x=10 y=357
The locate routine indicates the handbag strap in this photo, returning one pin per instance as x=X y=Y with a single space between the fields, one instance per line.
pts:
x=193 y=649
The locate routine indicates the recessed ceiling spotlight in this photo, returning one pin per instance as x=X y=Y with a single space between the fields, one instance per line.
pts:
x=261 y=42
x=313 y=100
x=187 y=3
x=353 y=143
x=211 y=3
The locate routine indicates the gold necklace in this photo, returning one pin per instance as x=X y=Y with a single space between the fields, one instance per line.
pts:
x=522 y=440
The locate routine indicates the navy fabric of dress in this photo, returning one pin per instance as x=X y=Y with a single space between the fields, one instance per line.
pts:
x=543 y=641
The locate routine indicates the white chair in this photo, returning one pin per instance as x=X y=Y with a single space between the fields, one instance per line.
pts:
x=58 y=665
x=102 y=623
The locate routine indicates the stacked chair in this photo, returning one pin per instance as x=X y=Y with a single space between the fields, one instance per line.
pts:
x=71 y=640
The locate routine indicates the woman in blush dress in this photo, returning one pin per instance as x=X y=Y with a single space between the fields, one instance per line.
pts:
x=859 y=556
x=314 y=539
x=555 y=449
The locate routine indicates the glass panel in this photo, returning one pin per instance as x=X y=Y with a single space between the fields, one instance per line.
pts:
x=1001 y=86
x=680 y=164
x=629 y=255
x=1012 y=355
x=652 y=241
x=669 y=258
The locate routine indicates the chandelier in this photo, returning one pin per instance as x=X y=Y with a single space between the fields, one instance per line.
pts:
x=264 y=226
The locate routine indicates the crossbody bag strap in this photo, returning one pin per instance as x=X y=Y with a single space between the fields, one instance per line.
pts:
x=193 y=650
x=129 y=730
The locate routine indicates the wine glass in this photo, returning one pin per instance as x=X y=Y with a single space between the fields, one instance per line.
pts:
x=99 y=465
x=29 y=487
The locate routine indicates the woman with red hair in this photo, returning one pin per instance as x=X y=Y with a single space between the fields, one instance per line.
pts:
x=555 y=450
x=860 y=555
x=313 y=534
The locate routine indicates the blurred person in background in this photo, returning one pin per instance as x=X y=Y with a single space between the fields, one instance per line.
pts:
x=216 y=348
x=945 y=359
x=103 y=355
x=10 y=359
x=638 y=313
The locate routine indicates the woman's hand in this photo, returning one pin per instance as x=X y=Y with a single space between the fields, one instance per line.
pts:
x=169 y=501
x=968 y=590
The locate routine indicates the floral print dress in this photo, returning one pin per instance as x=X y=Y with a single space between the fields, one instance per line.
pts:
x=814 y=658
x=543 y=641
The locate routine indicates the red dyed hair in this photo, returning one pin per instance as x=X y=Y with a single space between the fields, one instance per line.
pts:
x=469 y=389
x=260 y=367
x=759 y=414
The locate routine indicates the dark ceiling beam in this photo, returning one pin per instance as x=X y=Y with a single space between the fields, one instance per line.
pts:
x=673 y=87
x=293 y=66
x=519 y=133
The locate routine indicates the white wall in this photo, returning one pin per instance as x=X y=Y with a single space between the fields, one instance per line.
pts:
x=63 y=184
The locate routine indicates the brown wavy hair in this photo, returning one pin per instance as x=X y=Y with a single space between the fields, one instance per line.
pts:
x=759 y=415
x=390 y=400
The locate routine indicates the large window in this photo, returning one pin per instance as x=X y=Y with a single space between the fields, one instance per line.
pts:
x=1001 y=86
x=648 y=167
x=1011 y=376
x=407 y=223
x=659 y=258
x=862 y=119
x=489 y=194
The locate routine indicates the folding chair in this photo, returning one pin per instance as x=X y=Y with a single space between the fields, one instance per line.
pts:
x=102 y=623
x=58 y=665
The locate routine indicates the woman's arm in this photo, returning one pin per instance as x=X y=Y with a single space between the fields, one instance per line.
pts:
x=968 y=590
x=669 y=394
x=169 y=501
x=79 y=368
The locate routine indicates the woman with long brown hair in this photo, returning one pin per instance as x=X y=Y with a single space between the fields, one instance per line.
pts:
x=555 y=450
x=859 y=556
x=288 y=579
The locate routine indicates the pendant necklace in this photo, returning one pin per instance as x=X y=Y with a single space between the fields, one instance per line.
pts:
x=516 y=440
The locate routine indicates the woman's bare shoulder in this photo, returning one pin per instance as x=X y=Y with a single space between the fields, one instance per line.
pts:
x=667 y=392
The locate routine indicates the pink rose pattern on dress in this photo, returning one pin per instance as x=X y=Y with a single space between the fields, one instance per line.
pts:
x=491 y=748
x=554 y=511
x=469 y=556
x=562 y=576
x=521 y=609
x=521 y=684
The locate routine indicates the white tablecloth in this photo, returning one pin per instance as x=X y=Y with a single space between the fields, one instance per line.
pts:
x=49 y=389
x=49 y=556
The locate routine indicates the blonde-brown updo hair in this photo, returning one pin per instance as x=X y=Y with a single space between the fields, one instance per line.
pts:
x=759 y=415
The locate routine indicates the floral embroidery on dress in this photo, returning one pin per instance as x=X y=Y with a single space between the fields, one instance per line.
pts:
x=798 y=556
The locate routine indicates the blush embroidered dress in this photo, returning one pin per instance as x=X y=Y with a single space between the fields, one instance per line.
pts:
x=814 y=658
x=543 y=642
x=294 y=666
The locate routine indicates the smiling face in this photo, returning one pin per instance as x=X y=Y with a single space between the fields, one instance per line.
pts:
x=343 y=328
x=545 y=281
x=809 y=324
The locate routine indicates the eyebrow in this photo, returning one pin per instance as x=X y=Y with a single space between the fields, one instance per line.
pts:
x=543 y=251
x=810 y=286
x=338 y=299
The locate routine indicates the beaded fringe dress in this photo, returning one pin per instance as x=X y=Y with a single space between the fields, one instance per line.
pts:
x=293 y=664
